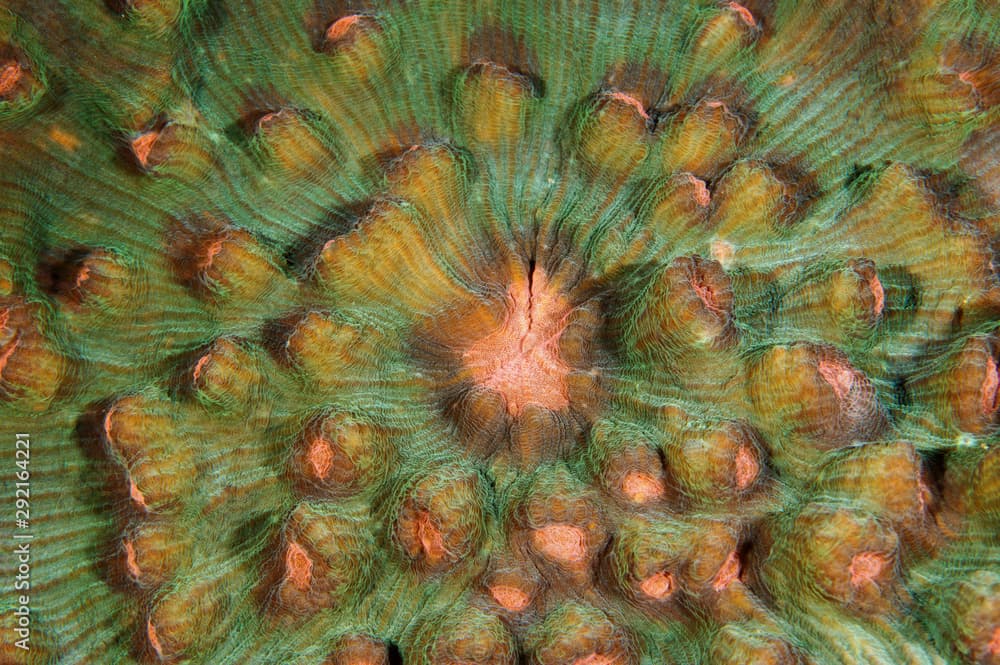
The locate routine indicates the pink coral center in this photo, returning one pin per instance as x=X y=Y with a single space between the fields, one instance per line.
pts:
x=705 y=292
x=658 y=585
x=866 y=566
x=320 y=457
x=510 y=597
x=991 y=384
x=199 y=366
x=431 y=539
x=136 y=494
x=7 y=352
x=154 y=639
x=131 y=564
x=747 y=467
x=10 y=76
x=631 y=101
x=641 y=487
x=7 y=349
x=298 y=566
x=109 y=423
x=994 y=646
x=211 y=252
x=878 y=293
x=743 y=13
x=142 y=146
x=701 y=194
x=521 y=360
x=341 y=27
x=597 y=659
x=728 y=573
x=839 y=377
x=82 y=276
x=561 y=542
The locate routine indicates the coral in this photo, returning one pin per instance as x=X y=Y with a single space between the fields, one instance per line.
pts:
x=501 y=331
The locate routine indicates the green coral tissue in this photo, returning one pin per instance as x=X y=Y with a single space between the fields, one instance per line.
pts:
x=500 y=332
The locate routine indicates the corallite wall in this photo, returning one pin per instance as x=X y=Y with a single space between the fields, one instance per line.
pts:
x=499 y=332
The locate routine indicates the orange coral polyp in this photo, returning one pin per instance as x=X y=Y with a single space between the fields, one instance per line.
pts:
x=320 y=457
x=641 y=487
x=210 y=252
x=521 y=360
x=10 y=76
x=298 y=567
x=743 y=13
x=631 y=101
x=705 y=292
x=561 y=542
x=991 y=387
x=747 y=467
x=878 y=292
x=866 y=566
x=142 y=146
x=12 y=337
x=658 y=585
x=509 y=597
x=6 y=352
x=154 y=638
x=701 y=194
x=431 y=539
x=597 y=659
x=136 y=494
x=840 y=378
x=340 y=28
x=131 y=563
x=728 y=573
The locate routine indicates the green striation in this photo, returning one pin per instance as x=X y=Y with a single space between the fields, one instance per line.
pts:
x=606 y=332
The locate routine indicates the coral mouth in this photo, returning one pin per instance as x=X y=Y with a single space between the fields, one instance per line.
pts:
x=10 y=75
x=521 y=360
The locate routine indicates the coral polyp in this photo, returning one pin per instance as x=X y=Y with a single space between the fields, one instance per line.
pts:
x=460 y=332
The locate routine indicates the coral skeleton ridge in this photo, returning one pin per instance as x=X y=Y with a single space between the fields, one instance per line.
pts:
x=451 y=332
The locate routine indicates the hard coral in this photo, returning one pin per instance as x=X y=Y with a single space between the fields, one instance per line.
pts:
x=358 y=332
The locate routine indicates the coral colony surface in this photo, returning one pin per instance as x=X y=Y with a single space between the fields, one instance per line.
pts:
x=591 y=332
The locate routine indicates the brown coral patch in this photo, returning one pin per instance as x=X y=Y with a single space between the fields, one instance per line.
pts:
x=582 y=636
x=213 y=257
x=30 y=368
x=512 y=583
x=149 y=554
x=715 y=462
x=614 y=133
x=358 y=650
x=87 y=277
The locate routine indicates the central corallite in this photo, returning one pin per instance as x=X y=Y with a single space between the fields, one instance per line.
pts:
x=522 y=360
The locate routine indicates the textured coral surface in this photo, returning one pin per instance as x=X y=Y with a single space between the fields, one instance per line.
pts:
x=502 y=331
